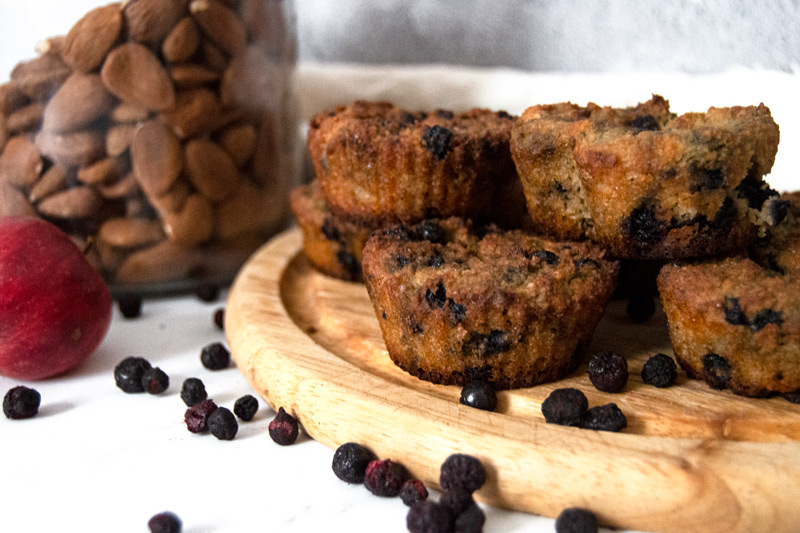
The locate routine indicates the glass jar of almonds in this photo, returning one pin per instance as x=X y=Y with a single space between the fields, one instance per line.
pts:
x=158 y=134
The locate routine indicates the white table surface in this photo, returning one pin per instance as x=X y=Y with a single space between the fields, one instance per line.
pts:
x=96 y=459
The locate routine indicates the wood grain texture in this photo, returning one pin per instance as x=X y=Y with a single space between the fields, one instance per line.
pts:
x=691 y=459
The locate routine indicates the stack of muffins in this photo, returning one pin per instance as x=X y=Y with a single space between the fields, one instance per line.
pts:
x=429 y=209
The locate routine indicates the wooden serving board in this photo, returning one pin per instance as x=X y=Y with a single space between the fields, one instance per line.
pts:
x=691 y=459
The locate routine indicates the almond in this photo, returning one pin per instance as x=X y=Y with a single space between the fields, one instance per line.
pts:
x=213 y=57
x=90 y=39
x=190 y=75
x=252 y=82
x=268 y=23
x=174 y=199
x=52 y=45
x=3 y=132
x=239 y=141
x=53 y=179
x=11 y=98
x=127 y=113
x=25 y=119
x=130 y=232
x=39 y=78
x=193 y=224
x=13 y=202
x=220 y=24
x=77 y=202
x=81 y=100
x=210 y=169
x=20 y=164
x=74 y=149
x=150 y=21
x=118 y=138
x=123 y=187
x=104 y=171
x=248 y=210
x=196 y=111
x=182 y=41
x=156 y=157
x=163 y=262
x=132 y=73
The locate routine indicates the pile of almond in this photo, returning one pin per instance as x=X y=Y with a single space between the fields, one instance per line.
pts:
x=157 y=133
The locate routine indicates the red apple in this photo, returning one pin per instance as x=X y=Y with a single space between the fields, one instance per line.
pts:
x=54 y=307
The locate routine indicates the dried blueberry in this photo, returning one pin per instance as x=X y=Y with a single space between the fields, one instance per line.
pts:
x=733 y=313
x=565 y=407
x=766 y=317
x=547 y=256
x=608 y=371
x=436 y=261
x=215 y=356
x=193 y=391
x=155 y=381
x=644 y=123
x=479 y=394
x=21 y=402
x=430 y=230
x=471 y=520
x=444 y=113
x=793 y=397
x=350 y=462
x=756 y=191
x=165 y=522
x=462 y=472
x=385 y=477
x=330 y=231
x=660 y=371
x=129 y=372
x=246 y=407
x=219 y=318
x=483 y=345
x=707 y=179
x=283 y=429
x=437 y=140
x=457 y=501
x=457 y=311
x=222 y=424
x=401 y=260
x=438 y=298
x=196 y=417
x=778 y=210
x=717 y=370
x=208 y=292
x=576 y=520
x=586 y=262
x=413 y=491
x=349 y=262
x=605 y=418
x=130 y=306
x=429 y=517
x=643 y=226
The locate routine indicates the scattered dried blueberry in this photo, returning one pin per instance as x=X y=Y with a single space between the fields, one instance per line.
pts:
x=165 y=522
x=660 y=371
x=566 y=407
x=576 y=520
x=479 y=394
x=385 y=477
x=462 y=472
x=222 y=424
x=21 y=402
x=155 y=381
x=457 y=500
x=196 y=417
x=429 y=517
x=283 y=429
x=129 y=372
x=608 y=371
x=208 y=292
x=130 y=306
x=215 y=356
x=640 y=307
x=413 y=491
x=605 y=418
x=246 y=407
x=193 y=391
x=219 y=318
x=471 y=520
x=350 y=462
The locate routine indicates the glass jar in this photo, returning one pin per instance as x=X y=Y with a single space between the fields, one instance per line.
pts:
x=160 y=135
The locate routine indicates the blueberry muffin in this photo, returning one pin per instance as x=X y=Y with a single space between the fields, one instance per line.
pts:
x=457 y=303
x=735 y=322
x=333 y=246
x=378 y=164
x=645 y=183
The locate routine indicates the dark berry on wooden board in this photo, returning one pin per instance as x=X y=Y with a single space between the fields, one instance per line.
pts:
x=565 y=407
x=283 y=429
x=462 y=472
x=129 y=372
x=222 y=424
x=605 y=418
x=165 y=522
x=479 y=394
x=471 y=520
x=196 y=417
x=608 y=371
x=413 y=491
x=385 y=477
x=21 y=402
x=246 y=407
x=660 y=371
x=193 y=391
x=350 y=462
x=576 y=520
x=429 y=517
x=457 y=500
x=155 y=381
x=215 y=356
